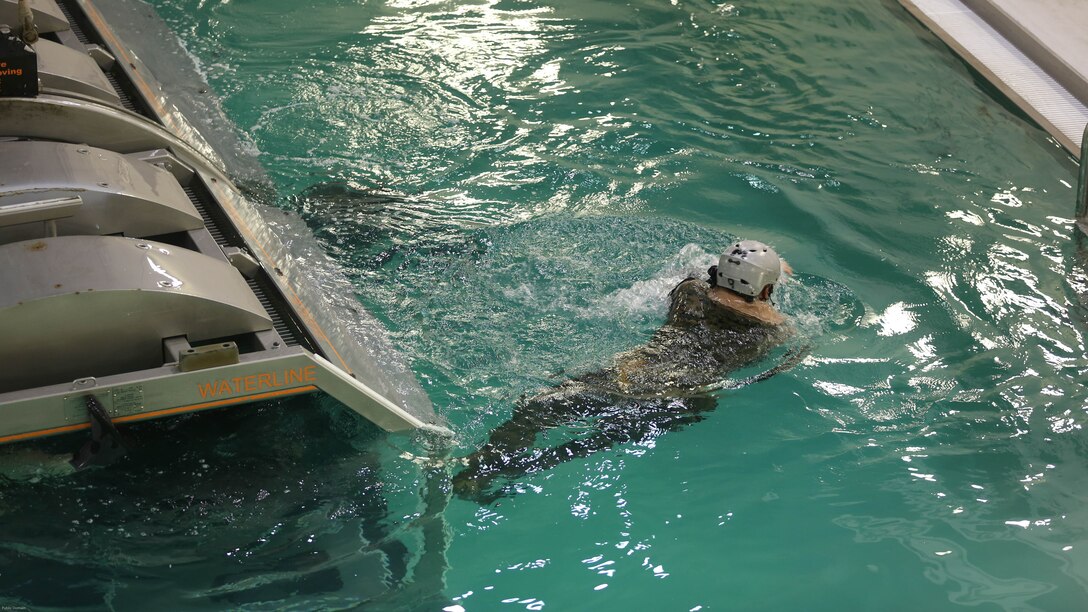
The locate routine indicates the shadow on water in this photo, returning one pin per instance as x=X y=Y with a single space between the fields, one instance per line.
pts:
x=376 y=213
x=344 y=215
x=292 y=505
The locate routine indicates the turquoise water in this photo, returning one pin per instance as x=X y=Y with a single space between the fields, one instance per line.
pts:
x=560 y=166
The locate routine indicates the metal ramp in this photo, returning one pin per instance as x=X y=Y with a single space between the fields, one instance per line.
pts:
x=136 y=281
x=1033 y=51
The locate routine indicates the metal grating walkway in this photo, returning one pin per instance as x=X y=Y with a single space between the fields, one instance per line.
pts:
x=1005 y=57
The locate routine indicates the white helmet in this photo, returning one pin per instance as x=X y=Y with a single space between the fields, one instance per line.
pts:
x=747 y=267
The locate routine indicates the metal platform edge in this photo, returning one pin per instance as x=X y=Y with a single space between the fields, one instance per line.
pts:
x=1007 y=67
x=161 y=392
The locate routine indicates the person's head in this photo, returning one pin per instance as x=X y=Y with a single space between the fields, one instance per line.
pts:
x=749 y=268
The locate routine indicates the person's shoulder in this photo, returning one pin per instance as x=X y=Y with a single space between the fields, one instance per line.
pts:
x=690 y=285
x=761 y=313
x=752 y=312
x=686 y=301
x=770 y=316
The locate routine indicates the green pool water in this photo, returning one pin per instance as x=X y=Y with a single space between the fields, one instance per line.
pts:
x=559 y=165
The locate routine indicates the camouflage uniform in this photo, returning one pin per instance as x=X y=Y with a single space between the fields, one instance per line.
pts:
x=660 y=386
x=699 y=344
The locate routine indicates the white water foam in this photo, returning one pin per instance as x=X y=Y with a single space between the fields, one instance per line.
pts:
x=650 y=296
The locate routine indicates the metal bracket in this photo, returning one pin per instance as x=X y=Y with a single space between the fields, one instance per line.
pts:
x=166 y=160
x=209 y=356
x=243 y=261
x=1082 y=183
x=39 y=210
x=103 y=58
x=190 y=359
x=105 y=446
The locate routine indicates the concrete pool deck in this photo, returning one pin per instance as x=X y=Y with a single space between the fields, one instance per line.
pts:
x=1035 y=52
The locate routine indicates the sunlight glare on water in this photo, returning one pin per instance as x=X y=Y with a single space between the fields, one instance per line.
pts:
x=551 y=170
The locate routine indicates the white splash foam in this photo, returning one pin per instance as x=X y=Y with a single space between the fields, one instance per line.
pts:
x=650 y=296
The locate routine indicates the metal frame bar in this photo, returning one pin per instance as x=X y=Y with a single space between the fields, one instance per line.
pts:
x=165 y=391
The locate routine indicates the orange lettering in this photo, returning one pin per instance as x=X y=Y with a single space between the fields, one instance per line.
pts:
x=256 y=382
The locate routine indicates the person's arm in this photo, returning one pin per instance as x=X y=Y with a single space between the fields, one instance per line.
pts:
x=614 y=421
x=516 y=437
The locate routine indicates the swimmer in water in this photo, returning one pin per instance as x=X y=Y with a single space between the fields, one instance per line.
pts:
x=714 y=327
